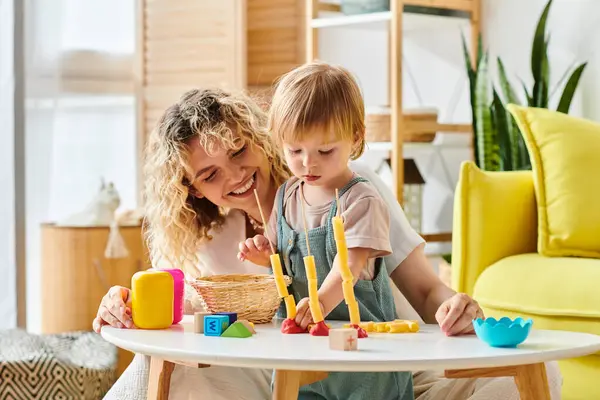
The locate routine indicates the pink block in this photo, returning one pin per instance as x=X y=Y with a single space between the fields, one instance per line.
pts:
x=178 y=293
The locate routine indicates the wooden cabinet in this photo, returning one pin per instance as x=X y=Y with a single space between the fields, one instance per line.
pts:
x=76 y=275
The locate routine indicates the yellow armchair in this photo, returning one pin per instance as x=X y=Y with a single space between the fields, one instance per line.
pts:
x=495 y=260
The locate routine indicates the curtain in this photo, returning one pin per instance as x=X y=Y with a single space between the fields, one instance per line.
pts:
x=80 y=115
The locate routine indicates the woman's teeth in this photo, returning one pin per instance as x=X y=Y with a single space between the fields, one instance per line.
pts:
x=246 y=187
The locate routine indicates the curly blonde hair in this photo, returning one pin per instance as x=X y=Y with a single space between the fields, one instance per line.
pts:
x=176 y=222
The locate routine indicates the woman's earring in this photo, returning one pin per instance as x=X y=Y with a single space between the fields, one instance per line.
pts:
x=193 y=192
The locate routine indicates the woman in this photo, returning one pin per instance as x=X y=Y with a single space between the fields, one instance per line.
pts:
x=208 y=153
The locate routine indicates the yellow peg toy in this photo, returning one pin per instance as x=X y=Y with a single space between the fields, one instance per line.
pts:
x=347 y=277
x=289 y=325
x=319 y=328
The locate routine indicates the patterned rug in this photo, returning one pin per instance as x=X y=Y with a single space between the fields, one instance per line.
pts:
x=69 y=366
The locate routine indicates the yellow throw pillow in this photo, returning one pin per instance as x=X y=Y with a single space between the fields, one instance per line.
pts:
x=565 y=158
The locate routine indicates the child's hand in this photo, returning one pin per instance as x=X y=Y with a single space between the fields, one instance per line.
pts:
x=303 y=314
x=255 y=250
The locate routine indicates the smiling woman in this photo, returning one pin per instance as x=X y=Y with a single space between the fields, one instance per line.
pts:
x=203 y=160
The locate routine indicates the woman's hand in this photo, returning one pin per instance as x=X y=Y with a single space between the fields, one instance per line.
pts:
x=115 y=309
x=455 y=315
x=255 y=250
x=303 y=314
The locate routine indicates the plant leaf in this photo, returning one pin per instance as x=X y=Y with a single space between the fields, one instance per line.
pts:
x=567 y=96
x=527 y=95
x=485 y=135
x=472 y=75
x=502 y=125
x=539 y=41
x=507 y=90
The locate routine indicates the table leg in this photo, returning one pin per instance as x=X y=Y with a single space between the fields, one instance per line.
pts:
x=287 y=383
x=159 y=379
x=531 y=379
x=532 y=382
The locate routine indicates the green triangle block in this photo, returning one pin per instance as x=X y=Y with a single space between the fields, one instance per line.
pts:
x=238 y=330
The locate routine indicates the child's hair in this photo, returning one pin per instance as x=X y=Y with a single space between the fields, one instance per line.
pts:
x=318 y=95
x=177 y=221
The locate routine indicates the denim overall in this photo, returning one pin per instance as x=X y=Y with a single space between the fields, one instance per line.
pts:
x=374 y=298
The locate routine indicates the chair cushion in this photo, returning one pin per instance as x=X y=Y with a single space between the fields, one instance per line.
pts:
x=564 y=155
x=538 y=285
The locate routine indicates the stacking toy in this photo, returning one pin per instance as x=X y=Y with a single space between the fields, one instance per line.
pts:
x=152 y=299
x=178 y=293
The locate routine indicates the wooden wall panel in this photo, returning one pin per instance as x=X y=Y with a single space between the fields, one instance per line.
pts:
x=275 y=39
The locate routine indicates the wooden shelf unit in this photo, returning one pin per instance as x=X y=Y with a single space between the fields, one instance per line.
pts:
x=394 y=19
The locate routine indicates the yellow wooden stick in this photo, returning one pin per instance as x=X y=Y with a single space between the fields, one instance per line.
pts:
x=342 y=253
x=290 y=303
x=311 y=275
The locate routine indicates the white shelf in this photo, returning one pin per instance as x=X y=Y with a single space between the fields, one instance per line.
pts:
x=380 y=20
x=344 y=20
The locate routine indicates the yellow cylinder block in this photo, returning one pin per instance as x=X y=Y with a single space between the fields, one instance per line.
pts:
x=338 y=228
x=354 y=313
x=278 y=274
x=348 y=289
x=315 y=309
x=290 y=306
x=398 y=327
x=309 y=266
x=152 y=299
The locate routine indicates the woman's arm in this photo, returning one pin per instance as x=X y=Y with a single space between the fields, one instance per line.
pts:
x=431 y=298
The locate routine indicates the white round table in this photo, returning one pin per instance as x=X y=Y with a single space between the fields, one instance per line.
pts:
x=301 y=359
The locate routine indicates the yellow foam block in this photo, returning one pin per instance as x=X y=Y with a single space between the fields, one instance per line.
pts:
x=367 y=326
x=338 y=228
x=348 y=289
x=412 y=324
x=152 y=299
x=381 y=327
x=290 y=306
x=315 y=309
x=278 y=274
x=398 y=327
x=354 y=313
x=309 y=266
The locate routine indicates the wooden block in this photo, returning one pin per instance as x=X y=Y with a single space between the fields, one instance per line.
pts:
x=343 y=339
x=249 y=325
x=231 y=315
x=237 y=330
x=215 y=325
x=199 y=321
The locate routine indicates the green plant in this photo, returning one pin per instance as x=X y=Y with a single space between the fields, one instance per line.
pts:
x=498 y=143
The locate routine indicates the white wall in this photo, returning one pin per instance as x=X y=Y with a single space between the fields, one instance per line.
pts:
x=8 y=299
x=434 y=75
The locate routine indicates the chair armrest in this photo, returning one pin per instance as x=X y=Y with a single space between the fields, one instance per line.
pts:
x=495 y=216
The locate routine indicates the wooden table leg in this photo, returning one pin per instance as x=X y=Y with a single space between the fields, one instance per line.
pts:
x=159 y=379
x=287 y=383
x=532 y=382
x=531 y=379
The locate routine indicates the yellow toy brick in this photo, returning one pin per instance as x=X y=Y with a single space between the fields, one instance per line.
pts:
x=398 y=327
x=381 y=327
x=152 y=299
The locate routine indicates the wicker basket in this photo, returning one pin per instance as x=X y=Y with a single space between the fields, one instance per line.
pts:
x=252 y=297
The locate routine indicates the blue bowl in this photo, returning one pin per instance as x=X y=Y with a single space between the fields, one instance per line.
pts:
x=504 y=332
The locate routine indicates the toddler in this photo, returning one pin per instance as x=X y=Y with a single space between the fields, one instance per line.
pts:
x=317 y=118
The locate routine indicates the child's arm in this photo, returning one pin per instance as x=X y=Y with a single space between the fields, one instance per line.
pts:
x=331 y=293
